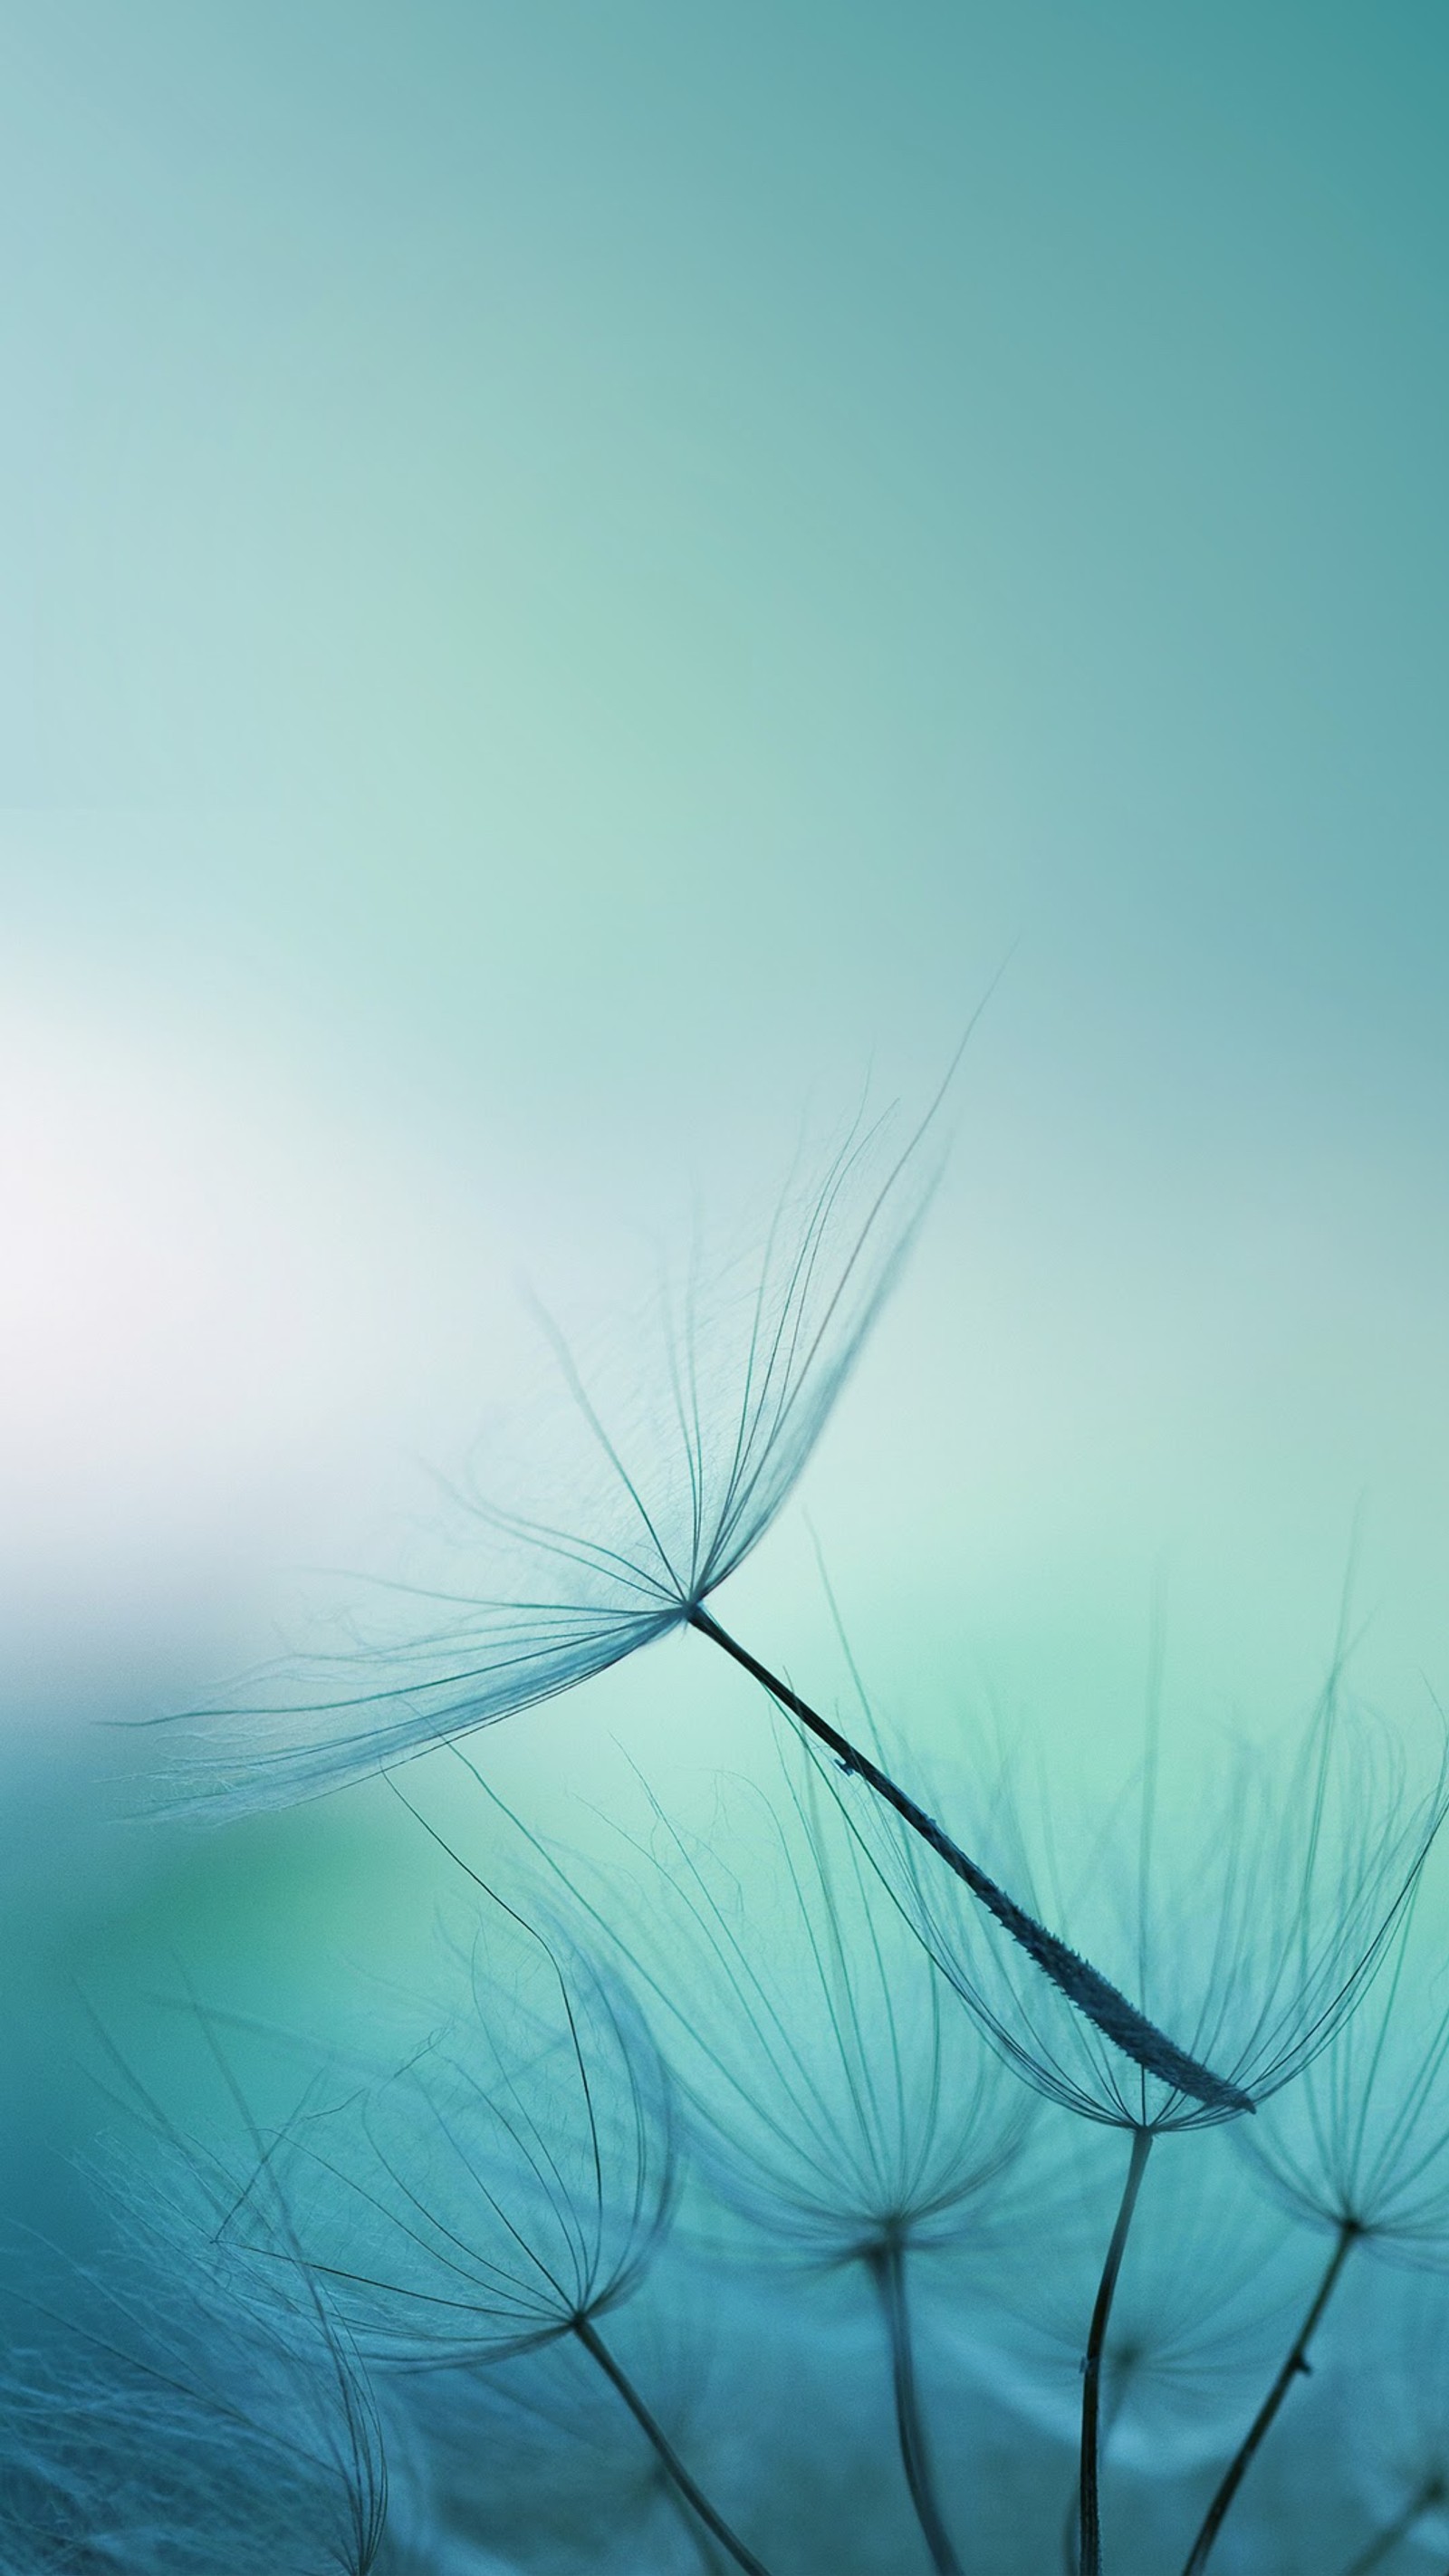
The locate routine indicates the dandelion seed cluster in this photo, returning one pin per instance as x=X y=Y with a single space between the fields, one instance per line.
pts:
x=888 y=2176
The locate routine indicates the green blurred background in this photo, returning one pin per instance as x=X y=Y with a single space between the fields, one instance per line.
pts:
x=574 y=578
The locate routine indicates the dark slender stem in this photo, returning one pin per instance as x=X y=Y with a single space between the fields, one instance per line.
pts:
x=1295 y=2365
x=1082 y=1984
x=888 y=2271
x=1388 y=2539
x=694 y=2496
x=1089 y=2510
x=1072 y=2524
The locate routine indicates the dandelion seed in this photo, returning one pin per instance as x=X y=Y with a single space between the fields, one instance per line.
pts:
x=840 y=2110
x=1255 y=1928
x=672 y=1513
x=511 y=2177
x=1357 y=2151
x=664 y=1473
x=1362 y=2143
x=161 y=2426
x=507 y=2187
x=838 y=2096
x=1256 y=1937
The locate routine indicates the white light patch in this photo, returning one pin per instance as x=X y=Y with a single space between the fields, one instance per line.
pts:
x=225 y=1318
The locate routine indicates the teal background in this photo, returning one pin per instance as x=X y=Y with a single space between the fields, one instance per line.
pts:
x=574 y=578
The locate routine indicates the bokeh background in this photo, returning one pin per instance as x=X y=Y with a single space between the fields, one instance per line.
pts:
x=577 y=581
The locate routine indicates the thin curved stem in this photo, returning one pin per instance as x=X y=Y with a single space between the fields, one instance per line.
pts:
x=1083 y=1985
x=674 y=2468
x=887 y=2265
x=1090 y=2511
x=1295 y=2365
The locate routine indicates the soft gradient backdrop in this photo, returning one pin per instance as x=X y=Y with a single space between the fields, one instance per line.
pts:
x=574 y=578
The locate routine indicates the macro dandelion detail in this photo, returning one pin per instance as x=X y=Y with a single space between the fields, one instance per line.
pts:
x=1258 y=1940
x=723 y=959
x=660 y=1475
x=1196 y=2320
x=840 y=2105
x=1362 y=2144
x=707 y=2223
x=506 y=2188
x=162 y=2424
x=736 y=1432
x=1356 y=2151
x=511 y=2179
x=1253 y=1922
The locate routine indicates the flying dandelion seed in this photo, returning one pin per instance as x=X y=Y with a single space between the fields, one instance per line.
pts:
x=674 y=1490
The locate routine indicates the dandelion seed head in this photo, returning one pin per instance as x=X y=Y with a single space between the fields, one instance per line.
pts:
x=514 y=2175
x=1361 y=2143
x=837 y=2099
x=1250 y=1926
x=670 y=1453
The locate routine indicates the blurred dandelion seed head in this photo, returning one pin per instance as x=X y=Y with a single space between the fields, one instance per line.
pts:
x=667 y=1454
x=515 y=2175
